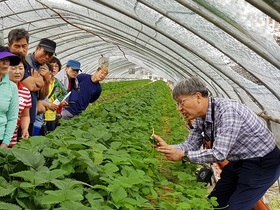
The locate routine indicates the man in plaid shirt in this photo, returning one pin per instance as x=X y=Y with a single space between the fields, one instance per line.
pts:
x=238 y=135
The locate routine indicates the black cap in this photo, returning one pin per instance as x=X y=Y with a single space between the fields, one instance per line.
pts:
x=48 y=45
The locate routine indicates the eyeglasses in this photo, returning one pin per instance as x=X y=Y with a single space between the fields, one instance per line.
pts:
x=181 y=103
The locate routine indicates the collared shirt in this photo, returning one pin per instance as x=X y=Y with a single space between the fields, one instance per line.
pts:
x=9 y=109
x=239 y=134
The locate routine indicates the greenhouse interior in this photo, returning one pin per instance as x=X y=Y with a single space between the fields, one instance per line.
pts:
x=231 y=45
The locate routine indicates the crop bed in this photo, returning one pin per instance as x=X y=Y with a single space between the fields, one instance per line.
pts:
x=103 y=158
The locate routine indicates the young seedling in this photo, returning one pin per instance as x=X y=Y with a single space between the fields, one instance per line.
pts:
x=152 y=139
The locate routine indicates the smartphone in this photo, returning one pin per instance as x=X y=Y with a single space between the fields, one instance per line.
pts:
x=71 y=102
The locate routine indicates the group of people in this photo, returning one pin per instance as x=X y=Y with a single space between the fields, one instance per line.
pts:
x=36 y=91
x=33 y=90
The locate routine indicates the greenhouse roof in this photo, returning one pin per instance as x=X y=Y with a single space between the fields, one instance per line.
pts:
x=230 y=44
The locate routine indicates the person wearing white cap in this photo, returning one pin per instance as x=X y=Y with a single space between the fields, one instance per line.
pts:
x=9 y=98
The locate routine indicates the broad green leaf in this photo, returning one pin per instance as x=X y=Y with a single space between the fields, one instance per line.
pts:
x=26 y=185
x=131 y=201
x=29 y=157
x=129 y=206
x=53 y=174
x=154 y=193
x=66 y=184
x=98 y=158
x=72 y=195
x=57 y=196
x=98 y=186
x=26 y=175
x=49 y=152
x=110 y=168
x=26 y=202
x=63 y=159
x=34 y=177
x=71 y=205
x=107 y=136
x=3 y=182
x=51 y=199
x=9 y=206
x=146 y=190
x=68 y=168
x=98 y=147
x=95 y=199
x=115 y=145
x=118 y=195
x=6 y=191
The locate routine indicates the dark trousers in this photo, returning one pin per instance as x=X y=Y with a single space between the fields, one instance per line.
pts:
x=244 y=182
x=51 y=125
x=31 y=129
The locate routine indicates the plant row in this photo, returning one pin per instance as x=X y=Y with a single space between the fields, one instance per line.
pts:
x=103 y=160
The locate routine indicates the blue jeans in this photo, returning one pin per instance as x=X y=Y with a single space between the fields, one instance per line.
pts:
x=244 y=182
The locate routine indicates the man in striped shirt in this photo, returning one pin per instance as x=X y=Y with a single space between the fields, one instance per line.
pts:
x=237 y=135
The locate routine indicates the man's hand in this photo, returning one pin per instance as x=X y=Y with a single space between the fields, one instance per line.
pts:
x=45 y=73
x=35 y=73
x=64 y=104
x=160 y=141
x=52 y=106
x=169 y=151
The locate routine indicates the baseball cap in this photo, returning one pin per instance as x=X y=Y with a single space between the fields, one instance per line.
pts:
x=14 y=59
x=75 y=65
x=48 y=45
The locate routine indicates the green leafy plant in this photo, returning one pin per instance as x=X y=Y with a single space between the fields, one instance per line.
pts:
x=103 y=159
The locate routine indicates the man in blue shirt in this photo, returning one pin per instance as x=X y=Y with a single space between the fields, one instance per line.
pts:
x=237 y=134
x=90 y=90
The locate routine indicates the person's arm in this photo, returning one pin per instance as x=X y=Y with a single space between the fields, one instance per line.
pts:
x=24 y=122
x=44 y=105
x=50 y=106
x=34 y=82
x=41 y=107
x=12 y=116
x=169 y=151
x=45 y=73
x=44 y=91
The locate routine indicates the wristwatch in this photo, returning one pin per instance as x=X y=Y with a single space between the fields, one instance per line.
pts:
x=185 y=157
